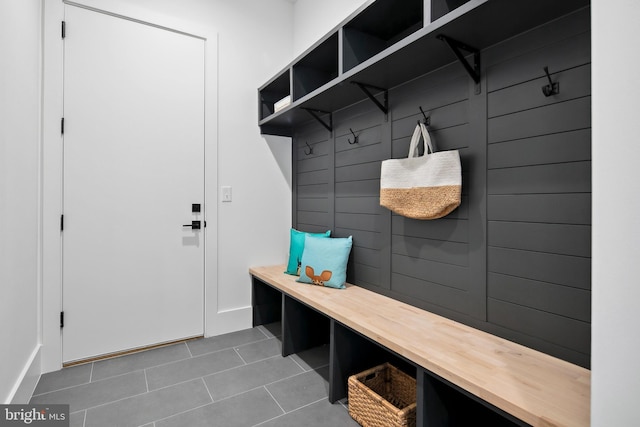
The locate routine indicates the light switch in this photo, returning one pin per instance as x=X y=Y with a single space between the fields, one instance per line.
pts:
x=226 y=193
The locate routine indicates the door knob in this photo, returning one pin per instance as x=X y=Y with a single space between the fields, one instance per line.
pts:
x=195 y=225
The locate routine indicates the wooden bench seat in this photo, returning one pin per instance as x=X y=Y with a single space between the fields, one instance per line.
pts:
x=534 y=387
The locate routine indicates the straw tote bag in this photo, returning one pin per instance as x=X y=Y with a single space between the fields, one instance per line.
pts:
x=422 y=187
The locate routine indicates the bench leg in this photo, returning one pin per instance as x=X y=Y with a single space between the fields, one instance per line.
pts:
x=302 y=327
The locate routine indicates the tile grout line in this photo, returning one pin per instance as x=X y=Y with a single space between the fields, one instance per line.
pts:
x=91 y=374
x=233 y=345
x=183 y=412
x=258 y=386
x=263 y=332
x=84 y=419
x=207 y=388
x=291 y=412
x=296 y=362
x=241 y=358
x=189 y=350
x=274 y=399
x=146 y=381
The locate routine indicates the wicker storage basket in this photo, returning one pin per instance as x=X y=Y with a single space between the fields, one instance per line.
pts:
x=383 y=396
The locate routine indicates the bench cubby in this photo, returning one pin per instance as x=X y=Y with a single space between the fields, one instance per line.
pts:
x=464 y=376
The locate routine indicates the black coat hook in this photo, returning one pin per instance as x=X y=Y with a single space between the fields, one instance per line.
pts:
x=355 y=137
x=552 y=88
x=310 y=149
x=427 y=120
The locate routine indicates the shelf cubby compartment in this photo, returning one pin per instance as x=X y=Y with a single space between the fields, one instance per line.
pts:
x=316 y=68
x=440 y=8
x=275 y=90
x=379 y=26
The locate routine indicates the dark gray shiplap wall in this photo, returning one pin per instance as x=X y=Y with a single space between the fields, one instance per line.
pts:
x=514 y=259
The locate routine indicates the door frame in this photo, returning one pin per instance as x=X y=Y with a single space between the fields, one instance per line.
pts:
x=52 y=160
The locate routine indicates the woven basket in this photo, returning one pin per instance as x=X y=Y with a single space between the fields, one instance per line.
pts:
x=383 y=396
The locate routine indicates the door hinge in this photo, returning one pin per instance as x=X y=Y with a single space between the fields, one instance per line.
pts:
x=61 y=222
x=62 y=319
x=62 y=126
x=64 y=29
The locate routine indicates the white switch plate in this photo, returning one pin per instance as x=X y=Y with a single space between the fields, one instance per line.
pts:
x=226 y=193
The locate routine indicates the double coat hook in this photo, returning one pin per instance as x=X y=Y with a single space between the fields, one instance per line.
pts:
x=427 y=119
x=553 y=88
x=355 y=137
x=310 y=151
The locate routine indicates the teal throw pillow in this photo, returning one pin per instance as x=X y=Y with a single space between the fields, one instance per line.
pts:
x=296 y=248
x=324 y=261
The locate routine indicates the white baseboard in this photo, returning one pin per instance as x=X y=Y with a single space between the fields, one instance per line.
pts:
x=227 y=321
x=26 y=384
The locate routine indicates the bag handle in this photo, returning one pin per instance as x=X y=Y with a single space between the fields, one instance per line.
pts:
x=420 y=130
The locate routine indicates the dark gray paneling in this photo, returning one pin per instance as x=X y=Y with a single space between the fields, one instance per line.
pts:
x=574 y=83
x=358 y=188
x=443 y=229
x=450 y=275
x=552 y=208
x=356 y=221
x=365 y=239
x=556 y=178
x=367 y=273
x=554 y=118
x=557 y=55
x=314 y=177
x=553 y=268
x=435 y=294
x=514 y=258
x=364 y=205
x=561 y=300
x=555 y=148
x=445 y=86
x=561 y=239
x=366 y=256
x=317 y=218
x=432 y=250
x=313 y=191
x=313 y=205
x=310 y=163
x=559 y=330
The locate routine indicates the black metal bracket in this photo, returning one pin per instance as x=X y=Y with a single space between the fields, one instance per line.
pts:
x=472 y=69
x=383 y=107
x=315 y=115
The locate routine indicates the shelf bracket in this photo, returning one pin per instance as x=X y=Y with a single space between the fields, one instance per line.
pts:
x=472 y=69
x=383 y=107
x=314 y=114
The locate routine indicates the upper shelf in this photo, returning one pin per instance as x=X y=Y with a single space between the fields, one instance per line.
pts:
x=398 y=49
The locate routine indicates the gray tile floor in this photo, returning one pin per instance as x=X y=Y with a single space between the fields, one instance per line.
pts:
x=237 y=379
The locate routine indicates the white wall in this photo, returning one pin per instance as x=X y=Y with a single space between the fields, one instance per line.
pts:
x=616 y=214
x=20 y=93
x=254 y=41
x=312 y=19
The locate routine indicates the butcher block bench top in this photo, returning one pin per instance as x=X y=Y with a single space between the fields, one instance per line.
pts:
x=537 y=388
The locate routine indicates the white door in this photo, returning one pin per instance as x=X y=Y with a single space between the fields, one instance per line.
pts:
x=133 y=275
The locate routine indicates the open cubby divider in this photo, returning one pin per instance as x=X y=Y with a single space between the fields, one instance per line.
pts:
x=274 y=91
x=379 y=26
x=386 y=43
x=317 y=68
